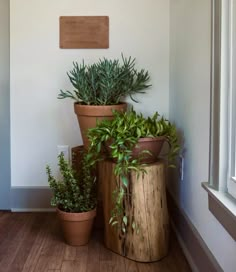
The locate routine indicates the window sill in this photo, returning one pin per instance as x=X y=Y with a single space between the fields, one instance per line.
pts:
x=223 y=207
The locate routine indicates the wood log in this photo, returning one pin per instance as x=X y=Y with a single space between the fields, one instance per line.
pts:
x=146 y=206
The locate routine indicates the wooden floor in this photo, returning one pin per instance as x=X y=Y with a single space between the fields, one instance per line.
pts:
x=33 y=242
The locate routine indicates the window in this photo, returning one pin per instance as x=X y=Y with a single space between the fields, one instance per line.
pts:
x=223 y=108
x=221 y=186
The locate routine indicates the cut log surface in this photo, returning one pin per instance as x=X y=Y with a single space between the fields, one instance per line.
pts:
x=146 y=206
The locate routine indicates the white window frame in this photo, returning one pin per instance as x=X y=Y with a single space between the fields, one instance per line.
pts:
x=231 y=179
x=220 y=186
x=223 y=93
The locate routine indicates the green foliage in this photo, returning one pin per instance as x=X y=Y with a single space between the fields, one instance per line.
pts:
x=105 y=82
x=75 y=192
x=122 y=133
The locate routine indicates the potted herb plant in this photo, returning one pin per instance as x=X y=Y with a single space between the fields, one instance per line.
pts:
x=74 y=195
x=132 y=141
x=100 y=87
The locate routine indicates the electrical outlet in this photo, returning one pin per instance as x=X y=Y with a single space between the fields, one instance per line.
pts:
x=65 y=150
x=181 y=167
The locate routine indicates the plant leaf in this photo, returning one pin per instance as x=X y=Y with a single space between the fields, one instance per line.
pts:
x=124 y=181
x=125 y=220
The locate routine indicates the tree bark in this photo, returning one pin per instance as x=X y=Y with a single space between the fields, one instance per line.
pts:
x=146 y=206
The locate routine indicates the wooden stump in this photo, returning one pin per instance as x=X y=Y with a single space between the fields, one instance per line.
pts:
x=148 y=208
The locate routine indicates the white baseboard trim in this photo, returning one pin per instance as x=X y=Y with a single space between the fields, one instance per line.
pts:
x=33 y=210
x=31 y=198
x=195 y=249
x=185 y=250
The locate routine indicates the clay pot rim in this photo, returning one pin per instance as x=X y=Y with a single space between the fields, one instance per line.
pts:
x=95 y=106
x=98 y=110
x=151 y=139
x=78 y=216
x=143 y=139
x=156 y=142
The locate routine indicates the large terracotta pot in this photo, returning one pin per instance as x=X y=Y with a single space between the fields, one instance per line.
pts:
x=76 y=226
x=88 y=115
x=153 y=145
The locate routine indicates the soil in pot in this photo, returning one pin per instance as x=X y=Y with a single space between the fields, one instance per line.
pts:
x=76 y=227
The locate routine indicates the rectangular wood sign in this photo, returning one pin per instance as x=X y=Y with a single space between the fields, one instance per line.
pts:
x=84 y=32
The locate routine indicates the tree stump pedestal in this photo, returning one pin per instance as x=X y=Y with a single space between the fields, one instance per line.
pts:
x=147 y=207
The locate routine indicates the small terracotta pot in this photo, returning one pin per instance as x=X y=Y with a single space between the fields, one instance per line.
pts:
x=153 y=145
x=76 y=226
x=88 y=115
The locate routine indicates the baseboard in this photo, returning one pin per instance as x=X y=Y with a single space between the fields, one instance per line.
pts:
x=31 y=199
x=184 y=248
x=195 y=249
x=33 y=210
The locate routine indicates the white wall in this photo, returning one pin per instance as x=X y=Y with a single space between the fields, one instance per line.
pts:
x=4 y=106
x=189 y=108
x=39 y=122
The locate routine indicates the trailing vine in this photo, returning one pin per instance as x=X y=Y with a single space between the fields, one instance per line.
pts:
x=119 y=136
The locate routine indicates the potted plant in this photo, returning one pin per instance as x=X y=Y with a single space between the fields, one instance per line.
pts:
x=100 y=87
x=74 y=195
x=123 y=138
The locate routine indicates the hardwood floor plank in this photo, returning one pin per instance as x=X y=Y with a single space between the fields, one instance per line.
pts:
x=70 y=253
x=33 y=242
x=105 y=254
x=106 y=266
x=34 y=254
x=52 y=250
x=56 y=256
x=4 y=215
x=119 y=263
x=82 y=257
x=178 y=259
x=144 y=267
x=131 y=266
x=71 y=266
x=27 y=244
x=174 y=261
x=13 y=240
x=94 y=253
x=6 y=223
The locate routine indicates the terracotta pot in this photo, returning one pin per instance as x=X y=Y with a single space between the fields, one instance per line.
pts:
x=88 y=115
x=153 y=145
x=76 y=226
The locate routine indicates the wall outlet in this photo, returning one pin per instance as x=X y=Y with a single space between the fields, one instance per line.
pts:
x=181 y=167
x=65 y=150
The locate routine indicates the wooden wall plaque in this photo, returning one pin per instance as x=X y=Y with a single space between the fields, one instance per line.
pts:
x=84 y=32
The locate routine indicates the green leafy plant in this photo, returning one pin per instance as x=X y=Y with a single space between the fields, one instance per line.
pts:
x=74 y=192
x=122 y=133
x=105 y=82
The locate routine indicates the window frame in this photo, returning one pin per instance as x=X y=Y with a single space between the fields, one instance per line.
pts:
x=231 y=182
x=221 y=203
x=222 y=130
